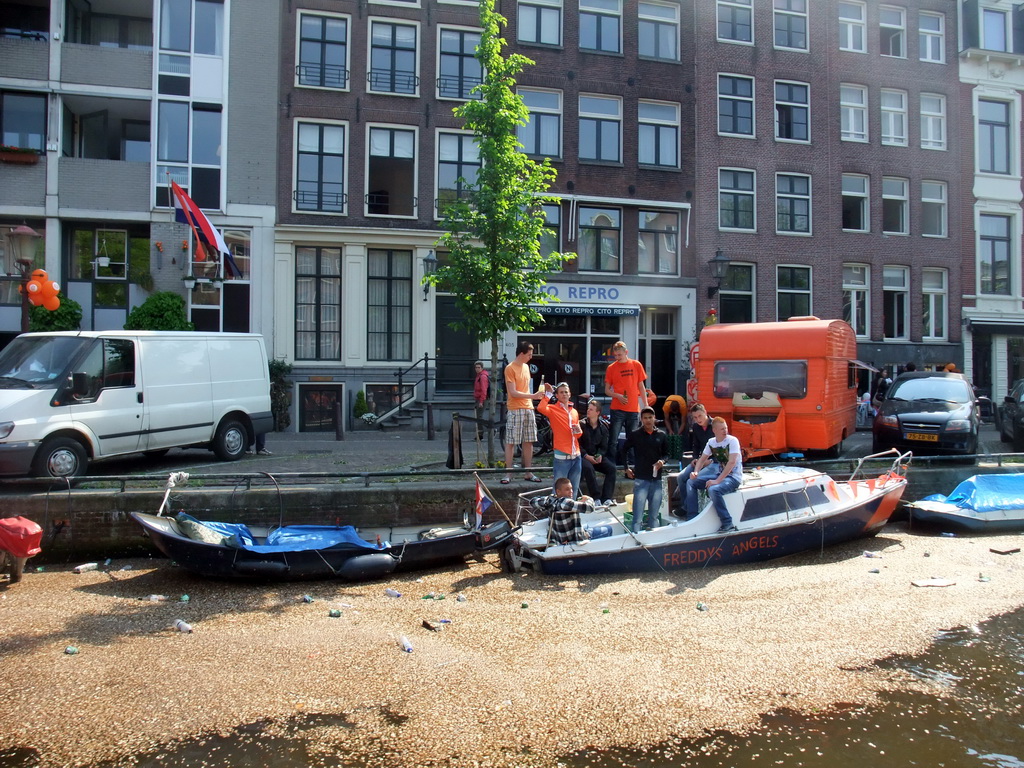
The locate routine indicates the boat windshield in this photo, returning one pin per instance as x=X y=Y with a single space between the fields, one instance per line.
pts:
x=31 y=362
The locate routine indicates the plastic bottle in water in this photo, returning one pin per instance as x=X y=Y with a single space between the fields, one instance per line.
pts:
x=85 y=567
x=307 y=599
x=157 y=598
x=461 y=598
x=392 y=592
x=182 y=626
x=404 y=643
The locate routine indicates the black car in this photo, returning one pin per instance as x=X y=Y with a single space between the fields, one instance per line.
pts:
x=928 y=413
x=1010 y=416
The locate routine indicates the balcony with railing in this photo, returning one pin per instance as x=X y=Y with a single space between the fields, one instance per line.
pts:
x=322 y=75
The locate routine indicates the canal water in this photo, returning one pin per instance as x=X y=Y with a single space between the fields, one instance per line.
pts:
x=968 y=715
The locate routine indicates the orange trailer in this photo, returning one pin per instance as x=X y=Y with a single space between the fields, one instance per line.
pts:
x=786 y=386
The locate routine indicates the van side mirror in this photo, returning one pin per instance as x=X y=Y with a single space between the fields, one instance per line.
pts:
x=1009 y=399
x=80 y=384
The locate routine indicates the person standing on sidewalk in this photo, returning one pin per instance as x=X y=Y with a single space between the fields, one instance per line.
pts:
x=624 y=384
x=481 y=391
x=565 y=433
x=520 y=424
x=650 y=452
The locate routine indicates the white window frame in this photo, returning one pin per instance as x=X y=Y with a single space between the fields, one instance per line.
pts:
x=415 y=131
x=794 y=106
x=894 y=117
x=542 y=9
x=864 y=197
x=1012 y=244
x=659 y=124
x=896 y=280
x=932 y=41
x=933 y=121
x=747 y=99
x=441 y=29
x=649 y=16
x=809 y=292
x=738 y=5
x=1012 y=138
x=895 y=28
x=851 y=110
x=988 y=41
x=369 y=55
x=597 y=8
x=794 y=196
x=857 y=283
x=348 y=49
x=728 y=289
x=738 y=192
x=669 y=237
x=853 y=29
x=601 y=117
x=784 y=8
x=935 y=195
x=438 y=135
x=524 y=93
x=896 y=189
x=296 y=123
x=934 y=304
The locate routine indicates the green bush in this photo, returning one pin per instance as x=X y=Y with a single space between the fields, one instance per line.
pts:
x=360 y=407
x=280 y=394
x=67 y=317
x=162 y=311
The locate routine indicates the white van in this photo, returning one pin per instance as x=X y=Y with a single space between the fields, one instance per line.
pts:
x=71 y=397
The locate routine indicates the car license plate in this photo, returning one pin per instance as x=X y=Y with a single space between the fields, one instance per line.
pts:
x=930 y=438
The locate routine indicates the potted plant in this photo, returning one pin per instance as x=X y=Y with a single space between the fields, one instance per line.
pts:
x=23 y=155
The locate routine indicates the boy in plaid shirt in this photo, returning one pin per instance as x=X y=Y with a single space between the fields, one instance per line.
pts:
x=565 y=513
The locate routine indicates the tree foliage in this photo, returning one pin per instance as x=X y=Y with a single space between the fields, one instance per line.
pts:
x=162 y=311
x=280 y=394
x=67 y=317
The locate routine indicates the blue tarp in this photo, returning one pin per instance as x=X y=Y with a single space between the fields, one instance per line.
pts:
x=986 y=493
x=293 y=538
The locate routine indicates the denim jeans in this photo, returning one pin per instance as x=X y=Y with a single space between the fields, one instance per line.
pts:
x=646 y=493
x=618 y=419
x=716 y=492
x=570 y=468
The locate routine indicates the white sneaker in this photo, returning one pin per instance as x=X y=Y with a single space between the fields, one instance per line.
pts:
x=608 y=503
x=264 y=452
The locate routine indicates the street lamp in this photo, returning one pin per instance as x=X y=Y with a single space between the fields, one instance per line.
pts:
x=429 y=267
x=19 y=259
x=719 y=266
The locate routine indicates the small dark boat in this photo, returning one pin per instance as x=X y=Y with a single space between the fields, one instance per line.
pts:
x=980 y=504
x=295 y=552
x=779 y=511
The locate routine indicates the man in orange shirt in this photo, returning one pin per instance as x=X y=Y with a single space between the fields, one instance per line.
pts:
x=624 y=384
x=565 y=433
x=520 y=424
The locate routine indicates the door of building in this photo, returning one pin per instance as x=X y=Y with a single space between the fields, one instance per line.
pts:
x=456 y=349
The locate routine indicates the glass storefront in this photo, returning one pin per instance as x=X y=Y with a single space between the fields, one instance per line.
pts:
x=575 y=349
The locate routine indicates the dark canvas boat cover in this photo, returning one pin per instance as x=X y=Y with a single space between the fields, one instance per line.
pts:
x=20 y=536
x=986 y=493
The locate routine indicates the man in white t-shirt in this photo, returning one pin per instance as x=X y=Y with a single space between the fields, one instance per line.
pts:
x=720 y=470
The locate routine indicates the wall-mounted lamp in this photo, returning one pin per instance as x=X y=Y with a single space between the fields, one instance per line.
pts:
x=719 y=266
x=429 y=267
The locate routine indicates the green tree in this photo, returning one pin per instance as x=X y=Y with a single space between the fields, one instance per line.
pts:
x=162 y=311
x=495 y=269
x=280 y=394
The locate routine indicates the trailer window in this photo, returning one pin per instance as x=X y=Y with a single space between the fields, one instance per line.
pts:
x=787 y=378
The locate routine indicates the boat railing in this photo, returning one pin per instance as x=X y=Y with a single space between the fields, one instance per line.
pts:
x=899 y=462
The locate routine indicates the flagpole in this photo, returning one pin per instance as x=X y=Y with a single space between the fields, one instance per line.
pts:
x=491 y=497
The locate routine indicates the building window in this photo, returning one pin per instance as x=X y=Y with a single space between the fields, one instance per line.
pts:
x=658 y=31
x=317 y=303
x=933 y=121
x=23 y=118
x=894 y=118
x=391 y=173
x=993 y=30
x=932 y=37
x=852 y=27
x=601 y=26
x=459 y=71
x=600 y=238
x=389 y=305
x=933 y=304
x=735 y=199
x=794 y=292
x=458 y=163
x=853 y=106
x=323 y=51
x=994 y=255
x=894 y=206
x=933 y=208
x=540 y=21
x=320 y=168
x=736 y=296
x=792 y=111
x=993 y=136
x=189 y=132
x=659 y=243
x=600 y=128
x=735 y=21
x=855 y=203
x=658 y=133
x=892 y=31
x=792 y=204
x=856 y=295
x=392 y=58
x=551 y=235
x=791 y=24
x=542 y=134
x=736 y=105
x=895 y=302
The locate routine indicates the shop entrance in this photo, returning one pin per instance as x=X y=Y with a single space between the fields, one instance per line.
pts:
x=456 y=349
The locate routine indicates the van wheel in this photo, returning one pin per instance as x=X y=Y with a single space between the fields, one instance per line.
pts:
x=60 y=457
x=836 y=451
x=230 y=441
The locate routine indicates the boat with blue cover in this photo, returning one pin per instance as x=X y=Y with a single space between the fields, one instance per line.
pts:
x=980 y=504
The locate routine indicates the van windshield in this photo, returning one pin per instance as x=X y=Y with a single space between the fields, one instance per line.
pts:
x=787 y=378
x=34 y=361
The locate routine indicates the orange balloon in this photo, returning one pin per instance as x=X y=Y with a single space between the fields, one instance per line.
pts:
x=51 y=303
x=40 y=275
x=651 y=398
x=46 y=290
x=33 y=287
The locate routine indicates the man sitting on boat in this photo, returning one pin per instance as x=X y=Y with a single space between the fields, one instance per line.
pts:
x=565 y=526
x=720 y=470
